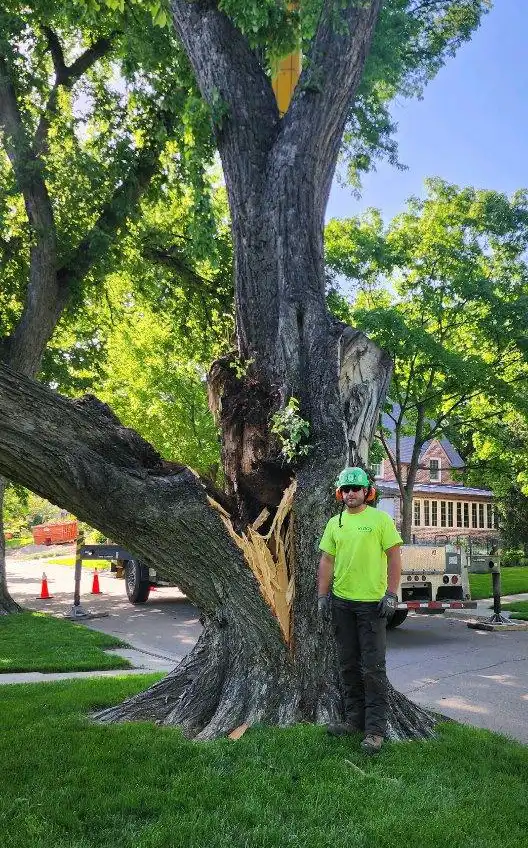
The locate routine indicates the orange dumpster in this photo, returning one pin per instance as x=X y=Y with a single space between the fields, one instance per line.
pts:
x=55 y=533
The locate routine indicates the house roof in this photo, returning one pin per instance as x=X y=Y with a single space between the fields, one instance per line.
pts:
x=436 y=489
x=407 y=443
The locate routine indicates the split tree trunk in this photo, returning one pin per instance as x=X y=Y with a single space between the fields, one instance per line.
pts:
x=252 y=664
x=244 y=668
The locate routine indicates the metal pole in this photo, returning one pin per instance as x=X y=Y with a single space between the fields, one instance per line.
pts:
x=77 y=610
x=78 y=569
x=496 y=582
x=497 y=617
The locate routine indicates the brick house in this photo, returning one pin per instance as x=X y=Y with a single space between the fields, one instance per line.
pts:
x=444 y=509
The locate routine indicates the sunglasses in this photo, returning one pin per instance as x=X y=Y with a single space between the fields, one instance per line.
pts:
x=346 y=489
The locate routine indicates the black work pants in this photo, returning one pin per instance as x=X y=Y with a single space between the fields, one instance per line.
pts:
x=361 y=643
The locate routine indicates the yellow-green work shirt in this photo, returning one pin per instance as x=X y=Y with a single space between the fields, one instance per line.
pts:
x=360 y=566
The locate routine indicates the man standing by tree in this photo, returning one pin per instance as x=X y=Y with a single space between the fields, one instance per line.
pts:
x=361 y=565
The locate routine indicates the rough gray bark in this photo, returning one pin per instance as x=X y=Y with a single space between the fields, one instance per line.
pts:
x=7 y=604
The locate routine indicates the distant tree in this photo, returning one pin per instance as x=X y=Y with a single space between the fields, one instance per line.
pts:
x=96 y=106
x=451 y=311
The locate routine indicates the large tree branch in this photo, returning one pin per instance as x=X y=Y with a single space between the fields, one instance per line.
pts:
x=65 y=76
x=40 y=309
x=78 y=455
x=27 y=169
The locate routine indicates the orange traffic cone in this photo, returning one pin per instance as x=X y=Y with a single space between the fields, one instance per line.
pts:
x=44 y=593
x=95 y=584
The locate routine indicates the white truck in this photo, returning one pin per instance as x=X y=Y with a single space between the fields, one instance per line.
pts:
x=433 y=579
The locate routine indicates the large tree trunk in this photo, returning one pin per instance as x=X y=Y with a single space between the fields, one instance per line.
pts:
x=250 y=665
x=250 y=570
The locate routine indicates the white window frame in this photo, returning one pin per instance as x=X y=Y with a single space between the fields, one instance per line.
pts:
x=439 y=471
x=417 y=505
x=451 y=509
x=377 y=469
x=435 y=511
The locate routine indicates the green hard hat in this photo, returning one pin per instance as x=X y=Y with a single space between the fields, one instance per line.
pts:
x=352 y=477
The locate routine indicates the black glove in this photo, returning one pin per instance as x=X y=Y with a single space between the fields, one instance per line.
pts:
x=323 y=605
x=388 y=604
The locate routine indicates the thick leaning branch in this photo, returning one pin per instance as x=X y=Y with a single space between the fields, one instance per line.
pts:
x=40 y=312
x=78 y=455
x=25 y=164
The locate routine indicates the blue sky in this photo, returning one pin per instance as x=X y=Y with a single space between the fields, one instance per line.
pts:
x=471 y=128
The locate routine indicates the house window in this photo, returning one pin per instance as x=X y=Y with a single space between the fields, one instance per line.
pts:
x=474 y=522
x=434 y=470
x=481 y=515
x=489 y=515
x=417 y=513
x=443 y=516
x=377 y=469
x=426 y=514
x=450 y=514
x=459 y=514
x=466 y=515
x=434 y=513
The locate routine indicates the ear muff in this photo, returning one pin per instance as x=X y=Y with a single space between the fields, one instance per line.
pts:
x=339 y=495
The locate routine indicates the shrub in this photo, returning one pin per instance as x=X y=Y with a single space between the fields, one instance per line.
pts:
x=513 y=558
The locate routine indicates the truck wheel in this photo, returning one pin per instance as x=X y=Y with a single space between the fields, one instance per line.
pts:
x=397 y=619
x=137 y=589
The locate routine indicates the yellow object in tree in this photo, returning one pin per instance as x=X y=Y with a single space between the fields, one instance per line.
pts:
x=285 y=79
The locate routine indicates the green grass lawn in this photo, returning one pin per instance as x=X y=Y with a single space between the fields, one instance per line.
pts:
x=513 y=581
x=519 y=609
x=69 y=783
x=90 y=564
x=18 y=543
x=40 y=642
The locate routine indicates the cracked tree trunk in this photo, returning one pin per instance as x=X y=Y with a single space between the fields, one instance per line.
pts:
x=261 y=657
x=245 y=668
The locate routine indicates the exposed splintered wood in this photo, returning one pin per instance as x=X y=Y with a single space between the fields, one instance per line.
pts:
x=270 y=556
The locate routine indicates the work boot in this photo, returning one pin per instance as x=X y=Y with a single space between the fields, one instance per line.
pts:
x=371 y=744
x=343 y=728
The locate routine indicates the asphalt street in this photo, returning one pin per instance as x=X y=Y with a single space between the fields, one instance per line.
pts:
x=476 y=677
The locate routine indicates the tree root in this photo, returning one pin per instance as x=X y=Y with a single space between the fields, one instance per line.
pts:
x=8 y=605
x=407 y=720
x=218 y=688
